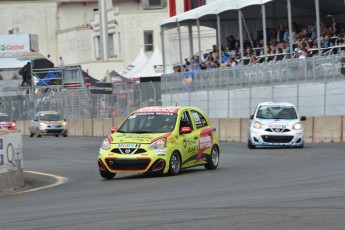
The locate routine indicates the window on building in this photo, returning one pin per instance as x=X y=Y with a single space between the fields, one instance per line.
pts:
x=111 y=45
x=192 y=4
x=153 y=4
x=98 y=50
x=148 y=40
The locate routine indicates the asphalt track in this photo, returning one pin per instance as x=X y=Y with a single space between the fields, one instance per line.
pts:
x=264 y=189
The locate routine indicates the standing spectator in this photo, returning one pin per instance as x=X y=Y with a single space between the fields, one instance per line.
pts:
x=62 y=63
x=26 y=74
x=50 y=58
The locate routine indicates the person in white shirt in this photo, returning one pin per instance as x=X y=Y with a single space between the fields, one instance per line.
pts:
x=62 y=63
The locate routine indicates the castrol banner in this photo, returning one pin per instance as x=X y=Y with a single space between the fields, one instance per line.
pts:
x=11 y=45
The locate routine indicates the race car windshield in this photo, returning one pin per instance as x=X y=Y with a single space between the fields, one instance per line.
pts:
x=4 y=118
x=50 y=117
x=149 y=123
x=276 y=112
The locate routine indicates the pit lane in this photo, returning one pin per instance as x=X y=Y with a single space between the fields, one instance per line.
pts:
x=268 y=188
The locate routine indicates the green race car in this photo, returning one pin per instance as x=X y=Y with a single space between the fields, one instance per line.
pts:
x=159 y=140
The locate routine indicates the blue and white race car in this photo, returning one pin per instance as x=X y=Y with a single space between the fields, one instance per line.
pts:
x=276 y=124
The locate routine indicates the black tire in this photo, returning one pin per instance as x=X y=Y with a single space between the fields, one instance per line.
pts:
x=106 y=174
x=65 y=135
x=174 y=164
x=213 y=160
x=31 y=135
x=56 y=135
x=250 y=145
x=301 y=146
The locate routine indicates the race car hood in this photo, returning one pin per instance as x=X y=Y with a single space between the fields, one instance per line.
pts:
x=272 y=122
x=53 y=122
x=135 y=138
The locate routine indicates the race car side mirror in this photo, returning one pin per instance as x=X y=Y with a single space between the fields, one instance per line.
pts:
x=113 y=129
x=303 y=118
x=251 y=117
x=186 y=129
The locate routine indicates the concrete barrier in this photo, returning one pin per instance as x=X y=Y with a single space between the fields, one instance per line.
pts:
x=327 y=129
x=230 y=129
x=316 y=129
x=11 y=161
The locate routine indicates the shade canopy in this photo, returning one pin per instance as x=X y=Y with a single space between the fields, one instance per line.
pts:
x=227 y=10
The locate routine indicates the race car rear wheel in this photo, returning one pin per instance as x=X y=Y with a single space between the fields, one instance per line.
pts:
x=106 y=174
x=32 y=135
x=174 y=164
x=213 y=160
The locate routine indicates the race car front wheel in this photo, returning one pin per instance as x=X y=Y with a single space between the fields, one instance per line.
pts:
x=106 y=174
x=174 y=164
x=213 y=158
x=251 y=145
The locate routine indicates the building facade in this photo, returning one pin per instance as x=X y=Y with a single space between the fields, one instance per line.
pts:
x=75 y=31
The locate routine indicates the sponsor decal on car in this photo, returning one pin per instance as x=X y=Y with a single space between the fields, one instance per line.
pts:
x=128 y=145
x=157 y=110
x=205 y=141
x=161 y=152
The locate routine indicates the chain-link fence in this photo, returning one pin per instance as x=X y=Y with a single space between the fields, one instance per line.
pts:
x=220 y=93
x=81 y=103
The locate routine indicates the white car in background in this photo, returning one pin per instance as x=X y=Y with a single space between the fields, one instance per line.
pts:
x=276 y=124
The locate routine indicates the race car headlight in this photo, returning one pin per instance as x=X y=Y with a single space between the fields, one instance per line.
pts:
x=43 y=125
x=105 y=144
x=257 y=125
x=64 y=124
x=158 y=144
x=297 y=126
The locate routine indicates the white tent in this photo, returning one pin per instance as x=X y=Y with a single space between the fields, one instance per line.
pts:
x=11 y=63
x=138 y=63
x=153 y=68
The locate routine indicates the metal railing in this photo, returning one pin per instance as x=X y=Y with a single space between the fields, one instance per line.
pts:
x=316 y=69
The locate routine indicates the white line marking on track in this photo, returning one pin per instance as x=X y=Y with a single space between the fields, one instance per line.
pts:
x=59 y=181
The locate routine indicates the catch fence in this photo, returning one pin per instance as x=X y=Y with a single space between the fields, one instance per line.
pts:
x=315 y=85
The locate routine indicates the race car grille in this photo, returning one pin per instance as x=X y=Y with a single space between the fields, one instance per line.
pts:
x=127 y=164
x=277 y=139
x=277 y=130
x=53 y=130
x=128 y=150
x=54 y=126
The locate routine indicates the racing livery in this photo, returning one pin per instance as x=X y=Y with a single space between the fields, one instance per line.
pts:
x=276 y=124
x=159 y=140
x=6 y=123
x=48 y=123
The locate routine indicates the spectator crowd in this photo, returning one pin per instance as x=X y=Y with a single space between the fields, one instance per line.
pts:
x=303 y=38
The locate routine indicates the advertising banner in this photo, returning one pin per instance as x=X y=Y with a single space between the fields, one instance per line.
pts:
x=187 y=81
x=12 y=45
x=11 y=88
x=101 y=88
x=11 y=151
